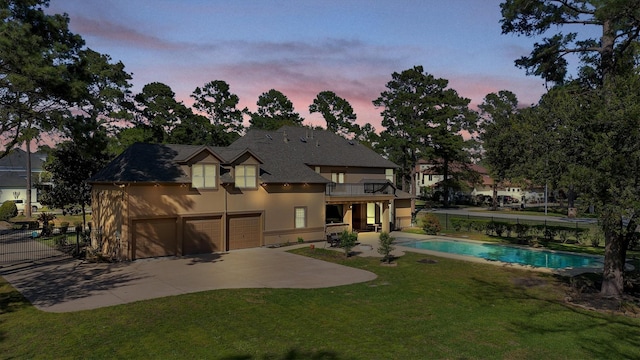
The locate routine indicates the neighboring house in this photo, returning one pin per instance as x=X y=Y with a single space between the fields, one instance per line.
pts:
x=428 y=176
x=13 y=176
x=267 y=188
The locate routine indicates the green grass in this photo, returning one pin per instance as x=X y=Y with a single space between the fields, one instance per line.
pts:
x=450 y=309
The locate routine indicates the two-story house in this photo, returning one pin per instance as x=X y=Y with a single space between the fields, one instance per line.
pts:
x=267 y=188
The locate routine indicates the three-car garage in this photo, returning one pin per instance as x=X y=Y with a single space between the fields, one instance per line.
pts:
x=188 y=235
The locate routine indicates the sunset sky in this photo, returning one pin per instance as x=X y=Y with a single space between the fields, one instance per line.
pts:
x=303 y=47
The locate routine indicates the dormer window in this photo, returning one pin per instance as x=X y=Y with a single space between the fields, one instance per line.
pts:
x=246 y=176
x=204 y=176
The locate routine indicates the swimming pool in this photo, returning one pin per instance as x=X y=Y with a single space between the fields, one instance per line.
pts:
x=508 y=254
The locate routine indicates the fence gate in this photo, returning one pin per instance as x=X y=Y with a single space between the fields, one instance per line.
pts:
x=22 y=246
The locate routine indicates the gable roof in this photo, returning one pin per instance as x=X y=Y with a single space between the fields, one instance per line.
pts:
x=287 y=155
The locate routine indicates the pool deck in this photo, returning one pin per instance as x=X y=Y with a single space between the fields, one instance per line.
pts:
x=368 y=245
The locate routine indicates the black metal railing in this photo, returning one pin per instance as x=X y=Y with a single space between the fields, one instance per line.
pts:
x=24 y=244
x=364 y=189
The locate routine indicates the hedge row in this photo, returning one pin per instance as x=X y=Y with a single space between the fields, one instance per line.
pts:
x=500 y=228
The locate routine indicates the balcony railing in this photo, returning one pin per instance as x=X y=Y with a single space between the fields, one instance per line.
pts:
x=361 y=189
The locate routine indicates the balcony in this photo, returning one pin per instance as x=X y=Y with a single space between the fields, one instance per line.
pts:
x=360 y=189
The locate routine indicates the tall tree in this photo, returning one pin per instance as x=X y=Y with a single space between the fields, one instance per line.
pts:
x=35 y=49
x=607 y=64
x=499 y=136
x=220 y=105
x=422 y=118
x=73 y=162
x=197 y=130
x=158 y=111
x=46 y=74
x=274 y=111
x=337 y=112
x=613 y=51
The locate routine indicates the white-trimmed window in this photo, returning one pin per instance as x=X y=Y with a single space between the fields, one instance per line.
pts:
x=300 y=217
x=337 y=178
x=203 y=176
x=246 y=176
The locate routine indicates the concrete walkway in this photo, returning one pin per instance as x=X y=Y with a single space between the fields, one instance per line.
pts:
x=73 y=285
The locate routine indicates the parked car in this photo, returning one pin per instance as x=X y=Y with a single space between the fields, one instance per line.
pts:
x=35 y=206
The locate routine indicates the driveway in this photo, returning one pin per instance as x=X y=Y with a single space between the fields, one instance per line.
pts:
x=71 y=285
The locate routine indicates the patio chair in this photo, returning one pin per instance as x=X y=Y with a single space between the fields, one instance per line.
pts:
x=333 y=239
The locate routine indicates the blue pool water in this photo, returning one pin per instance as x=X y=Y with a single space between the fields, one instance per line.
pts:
x=509 y=254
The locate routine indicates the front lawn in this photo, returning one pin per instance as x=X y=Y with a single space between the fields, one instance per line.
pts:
x=416 y=310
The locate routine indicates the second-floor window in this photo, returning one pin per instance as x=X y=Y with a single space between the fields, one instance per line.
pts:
x=337 y=178
x=246 y=176
x=203 y=176
x=388 y=174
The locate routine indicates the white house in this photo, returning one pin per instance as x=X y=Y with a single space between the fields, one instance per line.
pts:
x=13 y=176
x=428 y=176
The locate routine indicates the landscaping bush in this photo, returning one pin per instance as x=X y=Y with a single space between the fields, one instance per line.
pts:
x=537 y=231
x=499 y=227
x=550 y=233
x=45 y=218
x=430 y=224
x=386 y=247
x=596 y=236
x=458 y=223
x=522 y=230
x=489 y=228
x=478 y=225
x=348 y=241
x=8 y=210
x=509 y=228
x=64 y=227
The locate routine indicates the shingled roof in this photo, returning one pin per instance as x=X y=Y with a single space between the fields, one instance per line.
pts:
x=16 y=160
x=287 y=155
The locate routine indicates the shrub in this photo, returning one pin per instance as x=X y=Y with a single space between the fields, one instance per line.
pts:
x=386 y=247
x=537 y=231
x=45 y=218
x=60 y=241
x=478 y=225
x=564 y=235
x=430 y=224
x=489 y=228
x=522 y=230
x=300 y=239
x=8 y=210
x=596 y=236
x=580 y=234
x=508 y=228
x=64 y=227
x=458 y=223
x=499 y=227
x=348 y=241
x=550 y=232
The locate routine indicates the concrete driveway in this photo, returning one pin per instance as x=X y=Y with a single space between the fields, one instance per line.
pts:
x=72 y=285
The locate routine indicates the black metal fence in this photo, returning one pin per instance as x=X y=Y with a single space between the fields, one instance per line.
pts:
x=20 y=245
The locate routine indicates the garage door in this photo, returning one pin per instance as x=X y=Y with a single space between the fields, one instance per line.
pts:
x=244 y=232
x=202 y=236
x=155 y=237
